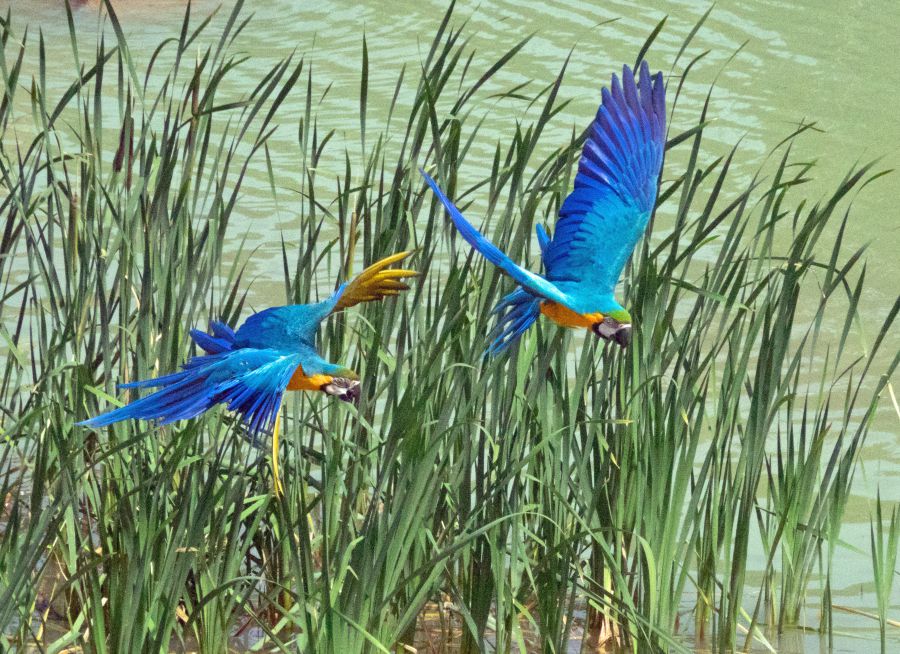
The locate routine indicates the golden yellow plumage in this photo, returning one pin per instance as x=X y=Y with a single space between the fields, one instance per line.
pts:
x=300 y=382
x=564 y=316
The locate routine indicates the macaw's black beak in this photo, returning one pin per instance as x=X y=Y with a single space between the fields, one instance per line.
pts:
x=612 y=330
x=344 y=389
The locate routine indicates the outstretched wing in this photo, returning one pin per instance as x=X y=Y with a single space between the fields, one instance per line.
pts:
x=534 y=284
x=601 y=221
x=249 y=381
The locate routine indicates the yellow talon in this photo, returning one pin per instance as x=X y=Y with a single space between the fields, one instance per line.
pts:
x=375 y=282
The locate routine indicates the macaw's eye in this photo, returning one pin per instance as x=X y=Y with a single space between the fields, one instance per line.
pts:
x=610 y=329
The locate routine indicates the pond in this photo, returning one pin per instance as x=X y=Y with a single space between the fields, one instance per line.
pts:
x=775 y=65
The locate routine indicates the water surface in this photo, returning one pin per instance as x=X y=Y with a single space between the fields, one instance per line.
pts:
x=832 y=63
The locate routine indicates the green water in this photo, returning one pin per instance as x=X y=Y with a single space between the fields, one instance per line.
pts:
x=832 y=63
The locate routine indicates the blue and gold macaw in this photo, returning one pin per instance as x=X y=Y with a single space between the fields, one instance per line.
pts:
x=599 y=223
x=250 y=369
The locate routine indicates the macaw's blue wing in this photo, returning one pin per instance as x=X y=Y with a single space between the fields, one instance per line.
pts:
x=602 y=219
x=249 y=381
x=531 y=282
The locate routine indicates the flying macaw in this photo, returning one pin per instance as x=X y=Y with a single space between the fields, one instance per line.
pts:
x=250 y=369
x=599 y=223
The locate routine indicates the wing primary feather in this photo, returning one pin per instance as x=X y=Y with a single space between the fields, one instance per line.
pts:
x=249 y=381
x=615 y=187
x=221 y=330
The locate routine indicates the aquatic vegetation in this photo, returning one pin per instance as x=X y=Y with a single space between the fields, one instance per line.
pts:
x=884 y=562
x=569 y=491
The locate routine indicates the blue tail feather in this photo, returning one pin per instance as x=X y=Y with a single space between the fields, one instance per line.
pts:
x=521 y=310
x=534 y=283
x=222 y=330
x=179 y=393
x=220 y=340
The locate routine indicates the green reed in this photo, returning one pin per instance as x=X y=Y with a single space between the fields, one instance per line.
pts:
x=884 y=543
x=565 y=484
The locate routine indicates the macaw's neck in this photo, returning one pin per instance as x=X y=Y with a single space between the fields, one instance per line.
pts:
x=564 y=316
x=607 y=308
x=301 y=382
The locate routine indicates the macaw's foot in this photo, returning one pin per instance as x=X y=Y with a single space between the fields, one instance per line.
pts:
x=344 y=389
x=610 y=329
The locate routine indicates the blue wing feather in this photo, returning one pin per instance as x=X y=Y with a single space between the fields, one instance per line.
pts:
x=602 y=219
x=249 y=381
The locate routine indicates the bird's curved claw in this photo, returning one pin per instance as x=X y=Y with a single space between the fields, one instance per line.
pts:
x=610 y=329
